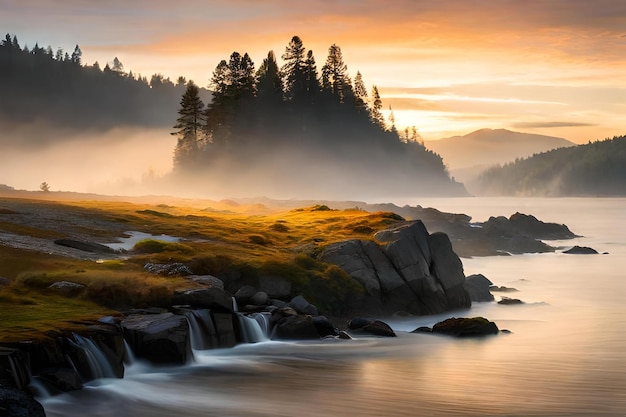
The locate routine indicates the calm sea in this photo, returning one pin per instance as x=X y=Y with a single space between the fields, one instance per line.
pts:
x=565 y=355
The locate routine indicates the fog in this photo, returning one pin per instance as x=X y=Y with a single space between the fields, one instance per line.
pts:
x=123 y=160
x=134 y=161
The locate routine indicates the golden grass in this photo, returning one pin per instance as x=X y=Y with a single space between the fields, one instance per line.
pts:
x=217 y=240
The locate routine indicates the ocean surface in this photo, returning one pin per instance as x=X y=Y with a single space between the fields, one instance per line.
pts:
x=565 y=355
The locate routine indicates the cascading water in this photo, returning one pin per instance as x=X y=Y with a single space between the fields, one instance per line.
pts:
x=96 y=359
x=201 y=329
x=251 y=331
x=263 y=318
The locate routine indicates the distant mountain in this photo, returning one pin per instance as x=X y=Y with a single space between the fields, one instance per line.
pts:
x=595 y=169
x=467 y=156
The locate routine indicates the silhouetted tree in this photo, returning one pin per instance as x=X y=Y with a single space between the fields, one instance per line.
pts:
x=77 y=56
x=335 y=77
x=360 y=92
x=269 y=81
x=376 y=113
x=189 y=126
x=294 y=69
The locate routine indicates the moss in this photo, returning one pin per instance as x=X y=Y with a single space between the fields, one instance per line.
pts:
x=158 y=246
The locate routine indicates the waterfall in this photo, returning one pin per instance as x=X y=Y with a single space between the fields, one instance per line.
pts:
x=201 y=329
x=96 y=359
x=235 y=305
x=38 y=388
x=251 y=331
x=129 y=356
x=263 y=318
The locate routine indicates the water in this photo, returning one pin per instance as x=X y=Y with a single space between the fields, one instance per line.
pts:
x=128 y=243
x=566 y=355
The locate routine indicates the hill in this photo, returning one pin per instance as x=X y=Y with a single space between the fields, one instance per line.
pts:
x=594 y=169
x=466 y=156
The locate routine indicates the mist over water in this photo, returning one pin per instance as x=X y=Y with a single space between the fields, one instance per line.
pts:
x=564 y=357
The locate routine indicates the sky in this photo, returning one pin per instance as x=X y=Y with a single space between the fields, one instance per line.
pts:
x=447 y=67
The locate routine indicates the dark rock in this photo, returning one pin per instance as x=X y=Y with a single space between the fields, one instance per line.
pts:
x=463 y=327
x=528 y=225
x=449 y=271
x=159 y=338
x=341 y=334
x=17 y=403
x=225 y=329
x=211 y=298
x=208 y=281
x=302 y=306
x=478 y=286
x=244 y=294
x=295 y=328
x=260 y=299
x=378 y=328
x=358 y=323
x=510 y=301
x=64 y=379
x=279 y=303
x=423 y=329
x=84 y=246
x=324 y=326
x=495 y=288
x=581 y=250
x=173 y=269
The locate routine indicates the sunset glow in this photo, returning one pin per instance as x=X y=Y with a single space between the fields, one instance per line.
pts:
x=448 y=67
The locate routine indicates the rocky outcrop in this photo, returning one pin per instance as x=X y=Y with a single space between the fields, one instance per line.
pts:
x=158 y=338
x=408 y=270
x=84 y=246
x=211 y=298
x=581 y=250
x=463 y=327
x=478 y=287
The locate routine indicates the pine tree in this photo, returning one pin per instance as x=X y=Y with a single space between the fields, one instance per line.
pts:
x=294 y=69
x=189 y=126
x=376 y=113
x=269 y=81
x=77 y=56
x=312 y=84
x=335 y=74
x=360 y=92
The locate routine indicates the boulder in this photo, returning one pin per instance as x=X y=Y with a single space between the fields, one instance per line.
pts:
x=350 y=256
x=510 y=301
x=260 y=298
x=211 y=298
x=358 y=323
x=173 y=269
x=448 y=268
x=225 y=329
x=159 y=338
x=323 y=326
x=67 y=288
x=464 y=327
x=17 y=403
x=295 y=327
x=302 y=306
x=208 y=281
x=244 y=294
x=581 y=250
x=378 y=328
x=478 y=288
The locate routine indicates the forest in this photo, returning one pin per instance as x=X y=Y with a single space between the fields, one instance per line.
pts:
x=592 y=169
x=57 y=88
x=295 y=125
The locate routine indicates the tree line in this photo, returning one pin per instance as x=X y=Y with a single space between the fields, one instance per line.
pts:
x=57 y=88
x=594 y=169
x=323 y=116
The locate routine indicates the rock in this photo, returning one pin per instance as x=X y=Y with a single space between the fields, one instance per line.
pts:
x=449 y=271
x=260 y=299
x=207 y=280
x=173 y=269
x=275 y=287
x=581 y=250
x=463 y=327
x=159 y=338
x=17 y=403
x=510 y=301
x=423 y=329
x=478 y=286
x=84 y=246
x=495 y=288
x=244 y=294
x=67 y=288
x=528 y=225
x=302 y=306
x=225 y=329
x=358 y=323
x=378 y=328
x=323 y=326
x=211 y=298
x=64 y=379
x=295 y=328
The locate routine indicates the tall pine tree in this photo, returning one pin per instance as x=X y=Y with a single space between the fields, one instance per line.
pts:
x=188 y=127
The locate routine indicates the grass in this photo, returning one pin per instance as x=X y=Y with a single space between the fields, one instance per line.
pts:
x=236 y=243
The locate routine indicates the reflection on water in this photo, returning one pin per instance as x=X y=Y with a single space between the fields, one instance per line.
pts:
x=565 y=356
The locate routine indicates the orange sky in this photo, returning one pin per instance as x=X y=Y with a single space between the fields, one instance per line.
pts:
x=554 y=67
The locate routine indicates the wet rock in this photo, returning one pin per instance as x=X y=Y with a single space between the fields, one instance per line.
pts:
x=378 y=328
x=64 y=379
x=295 y=327
x=510 y=301
x=358 y=323
x=208 y=281
x=581 y=250
x=159 y=338
x=478 y=287
x=17 y=403
x=302 y=306
x=323 y=326
x=464 y=327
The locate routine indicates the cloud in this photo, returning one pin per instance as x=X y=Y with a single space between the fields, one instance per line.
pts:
x=542 y=125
